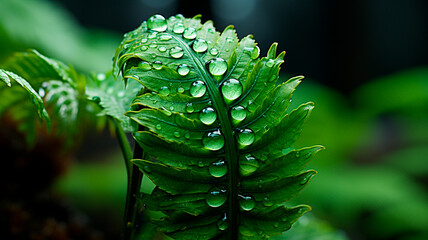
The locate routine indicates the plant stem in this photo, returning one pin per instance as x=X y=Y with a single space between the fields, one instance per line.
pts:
x=134 y=183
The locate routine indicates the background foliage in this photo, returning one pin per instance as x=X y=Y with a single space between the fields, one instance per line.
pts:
x=371 y=95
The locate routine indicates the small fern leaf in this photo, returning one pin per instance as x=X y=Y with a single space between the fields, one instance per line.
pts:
x=219 y=139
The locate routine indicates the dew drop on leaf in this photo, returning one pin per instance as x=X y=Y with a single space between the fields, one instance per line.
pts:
x=162 y=49
x=177 y=134
x=165 y=37
x=247 y=203
x=229 y=40
x=144 y=48
x=218 y=169
x=223 y=223
x=248 y=165
x=276 y=224
x=198 y=89
x=214 y=51
x=267 y=201
x=238 y=113
x=200 y=45
x=217 y=66
x=216 y=197
x=153 y=45
x=152 y=35
x=157 y=65
x=284 y=219
x=213 y=140
x=144 y=65
x=164 y=91
x=158 y=127
x=187 y=135
x=176 y=52
x=183 y=69
x=180 y=90
x=144 y=40
x=189 y=33
x=96 y=99
x=231 y=89
x=157 y=23
x=208 y=115
x=304 y=180
x=190 y=108
x=297 y=154
x=246 y=137
x=178 y=28
x=270 y=63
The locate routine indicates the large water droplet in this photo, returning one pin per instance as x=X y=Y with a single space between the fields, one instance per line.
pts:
x=157 y=65
x=165 y=37
x=214 y=51
x=246 y=137
x=217 y=66
x=198 y=89
x=248 y=165
x=180 y=90
x=218 y=169
x=213 y=140
x=183 y=69
x=255 y=53
x=178 y=28
x=223 y=223
x=144 y=48
x=176 y=52
x=189 y=33
x=238 y=113
x=208 y=115
x=231 y=89
x=190 y=108
x=216 y=197
x=267 y=201
x=157 y=23
x=247 y=203
x=200 y=45
x=144 y=65
x=164 y=91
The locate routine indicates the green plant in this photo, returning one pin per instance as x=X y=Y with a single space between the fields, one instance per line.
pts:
x=210 y=124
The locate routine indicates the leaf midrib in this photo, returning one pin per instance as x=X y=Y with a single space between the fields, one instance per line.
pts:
x=230 y=145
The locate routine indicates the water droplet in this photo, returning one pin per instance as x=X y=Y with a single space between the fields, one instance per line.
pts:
x=297 y=154
x=157 y=23
x=178 y=28
x=189 y=33
x=304 y=180
x=145 y=65
x=213 y=140
x=255 y=53
x=231 y=89
x=171 y=108
x=247 y=203
x=190 y=108
x=101 y=76
x=208 y=115
x=223 y=223
x=216 y=197
x=198 y=89
x=217 y=66
x=270 y=63
x=246 y=137
x=165 y=37
x=162 y=49
x=177 y=134
x=152 y=35
x=248 y=165
x=211 y=30
x=144 y=40
x=229 y=40
x=187 y=135
x=218 y=169
x=200 y=164
x=164 y=91
x=200 y=45
x=183 y=69
x=214 y=51
x=153 y=45
x=276 y=224
x=176 y=52
x=180 y=90
x=144 y=48
x=267 y=201
x=284 y=218
x=157 y=65
x=158 y=126
x=238 y=113
x=42 y=93
x=96 y=99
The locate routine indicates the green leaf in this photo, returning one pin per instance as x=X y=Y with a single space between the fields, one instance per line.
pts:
x=216 y=130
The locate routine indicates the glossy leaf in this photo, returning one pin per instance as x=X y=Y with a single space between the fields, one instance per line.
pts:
x=219 y=139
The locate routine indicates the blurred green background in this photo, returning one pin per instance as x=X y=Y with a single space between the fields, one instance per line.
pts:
x=367 y=71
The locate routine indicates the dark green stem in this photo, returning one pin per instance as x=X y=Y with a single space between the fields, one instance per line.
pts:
x=134 y=183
